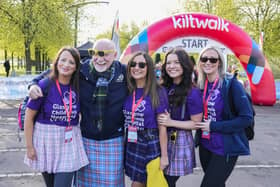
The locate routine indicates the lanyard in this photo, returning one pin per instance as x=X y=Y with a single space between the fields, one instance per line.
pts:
x=205 y=102
x=68 y=113
x=134 y=106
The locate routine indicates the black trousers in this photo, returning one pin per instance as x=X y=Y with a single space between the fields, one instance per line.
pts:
x=58 y=179
x=171 y=180
x=216 y=168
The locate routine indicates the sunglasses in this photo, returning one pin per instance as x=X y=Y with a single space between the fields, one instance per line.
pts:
x=141 y=65
x=211 y=60
x=94 y=52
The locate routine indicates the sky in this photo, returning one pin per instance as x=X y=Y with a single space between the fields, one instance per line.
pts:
x=129 y=10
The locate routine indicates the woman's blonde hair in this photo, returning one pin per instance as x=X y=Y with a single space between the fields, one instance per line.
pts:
x=221 y=67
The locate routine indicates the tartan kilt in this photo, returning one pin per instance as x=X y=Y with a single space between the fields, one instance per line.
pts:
x=53 y=154
x=181 y=154
x=106 y=164
x=140 y=153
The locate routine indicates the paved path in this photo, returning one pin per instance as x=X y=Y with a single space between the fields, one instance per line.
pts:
x=261 y=169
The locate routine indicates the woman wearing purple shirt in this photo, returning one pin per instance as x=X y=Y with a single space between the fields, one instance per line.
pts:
x=222 y=137
x=53 y=138
x=144 y=139
x=185 y=105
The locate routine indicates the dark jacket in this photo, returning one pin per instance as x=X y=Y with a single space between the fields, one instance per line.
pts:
x=117 y=92
x=232 y=127
x=7 y=65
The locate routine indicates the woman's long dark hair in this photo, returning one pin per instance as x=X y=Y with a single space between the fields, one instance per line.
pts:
x=151 y=86
x=181 y=90
x=74 y=82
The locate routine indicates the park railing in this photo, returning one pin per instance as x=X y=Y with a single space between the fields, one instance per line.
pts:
x=14 y=87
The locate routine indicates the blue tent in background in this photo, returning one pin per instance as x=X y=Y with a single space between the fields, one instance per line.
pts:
x=83 y=49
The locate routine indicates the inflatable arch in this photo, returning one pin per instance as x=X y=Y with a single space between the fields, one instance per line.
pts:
x=164 y=31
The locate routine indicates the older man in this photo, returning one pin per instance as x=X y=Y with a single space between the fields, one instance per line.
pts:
x=103 y=90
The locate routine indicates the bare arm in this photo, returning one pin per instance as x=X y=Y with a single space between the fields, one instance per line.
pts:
x=163 y=147
x=28 y=132
x=165 y=120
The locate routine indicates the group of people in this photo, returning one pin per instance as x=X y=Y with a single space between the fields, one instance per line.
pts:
x=102 y=119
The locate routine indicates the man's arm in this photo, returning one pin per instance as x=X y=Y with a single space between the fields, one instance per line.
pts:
x=34 y=91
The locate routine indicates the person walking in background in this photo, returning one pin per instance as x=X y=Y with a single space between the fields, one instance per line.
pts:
x=103 y=90
x=145 y=140
x=194 y=74
x=158 y=64
x=7 y=67
x=185 y=108
x=53 y=137
x=221 y=138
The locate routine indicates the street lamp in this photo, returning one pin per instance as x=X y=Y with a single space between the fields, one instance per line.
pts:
x=77 y=6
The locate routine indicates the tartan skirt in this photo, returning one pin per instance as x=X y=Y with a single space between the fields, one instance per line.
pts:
x=106 y=164
x=53 y=154
x=181 y=154
x=139 y=154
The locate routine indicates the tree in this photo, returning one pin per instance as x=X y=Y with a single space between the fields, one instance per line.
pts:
x=36 y=22
x=262 y=16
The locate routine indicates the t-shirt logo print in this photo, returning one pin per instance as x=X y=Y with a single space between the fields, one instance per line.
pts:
x=141 y=107
x=66 y=97
x=139 y=115
x=120 y=78
x=214 y=95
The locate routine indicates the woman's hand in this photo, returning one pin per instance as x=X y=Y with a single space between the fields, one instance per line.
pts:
x=163 y=162
x=31 y=153
x=164 y=119
x=205 y=126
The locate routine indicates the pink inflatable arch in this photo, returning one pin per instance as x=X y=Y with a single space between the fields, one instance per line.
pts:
x=209 y=26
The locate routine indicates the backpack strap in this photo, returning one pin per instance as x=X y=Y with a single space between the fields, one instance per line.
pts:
x=46 y=85
x=45 y=89
x=229 y=103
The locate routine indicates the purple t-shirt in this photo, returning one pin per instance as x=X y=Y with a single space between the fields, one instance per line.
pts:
x=53 y=111
x=215 y=110
x=145 y=116
x=193 y=105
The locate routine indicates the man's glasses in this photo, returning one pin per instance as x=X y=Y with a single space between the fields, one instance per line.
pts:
x=211 y=60
x=101 y=53
x=141 y=65
x=173 y=136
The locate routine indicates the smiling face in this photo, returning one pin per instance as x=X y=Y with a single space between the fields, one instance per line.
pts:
x=209 y=62
x=66 y=65
x=138 y=70
x=104 y=56
x=173 y=68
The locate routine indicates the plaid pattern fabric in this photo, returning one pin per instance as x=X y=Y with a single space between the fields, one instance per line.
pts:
x=106 y=164
x=139 y=154
x=100 y=94
x=181 y=154
x=53 y=154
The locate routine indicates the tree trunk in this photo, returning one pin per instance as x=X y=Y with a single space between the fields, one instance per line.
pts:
x=27 y=58
x=38 y=59
x=12 y=60
x=5 y=54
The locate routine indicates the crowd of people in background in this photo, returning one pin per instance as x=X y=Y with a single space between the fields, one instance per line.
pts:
x=132 y=114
